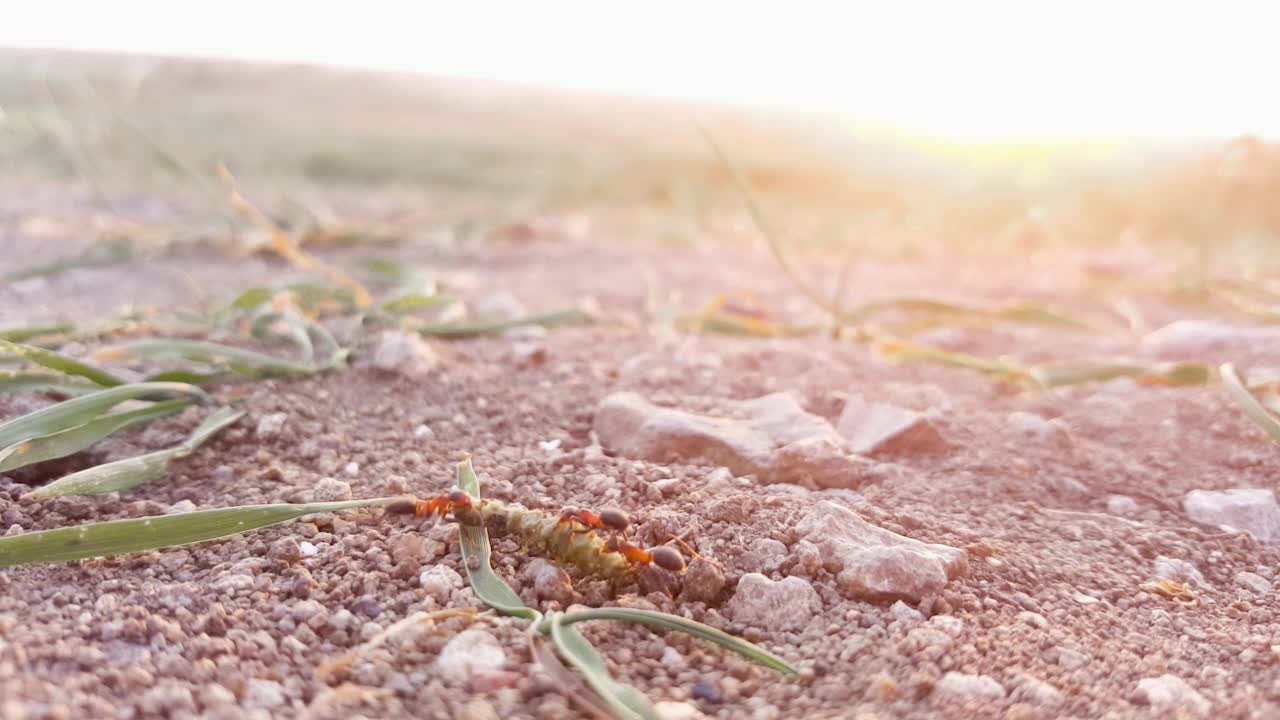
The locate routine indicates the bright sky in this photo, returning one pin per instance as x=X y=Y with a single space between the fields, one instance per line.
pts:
x=969 y=71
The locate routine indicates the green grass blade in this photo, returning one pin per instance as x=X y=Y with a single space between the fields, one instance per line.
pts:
x=476 y=554
x=59 y=362
x=23 y=334
x=569 y=682
x=1062 y=374
x=78 y=411
x=116 y=537
x=623 y=700
x=73 y=440
x=472 y=328
x=696 y=629
x=41 y=382
x=1248 y=403
x=251 y=298
x=415 y=301
x=134 y=471
x=906 y=351
x=246 y=363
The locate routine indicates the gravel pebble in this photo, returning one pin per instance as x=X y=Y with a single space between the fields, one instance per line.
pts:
x=962 y=686
x=470 y=651
x=786 y=604
x=331 y=490
x=270 y=426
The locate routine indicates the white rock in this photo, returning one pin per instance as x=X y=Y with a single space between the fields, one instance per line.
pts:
x=669 y=710
x=1034 y=619
x=1177 y=570
x=770 y=552
x=330 y=490
x=787 y=604
x=1198 y=340
x=440 y=581
x=307 y=549
x=880 y=428
x=905 y=614
x=1253 y=581
x=263 y=694
x=233 y=583
x=1069 y=658
x=351 y=469
x=962 y=686
x=271 y=425
x=182 y=506
x=1169 y=692
x=404 y=352
x=1250 y=509
x=1037 y=692
x=1030 y=425
x=671 y=658
x=422 y=431
x=470 y=651
x=1122 y=505
x=949 y=624
x=876 y=564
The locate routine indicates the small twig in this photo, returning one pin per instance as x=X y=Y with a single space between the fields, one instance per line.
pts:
x=285 y=247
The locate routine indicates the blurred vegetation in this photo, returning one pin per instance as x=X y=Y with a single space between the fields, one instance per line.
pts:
x=133 y=122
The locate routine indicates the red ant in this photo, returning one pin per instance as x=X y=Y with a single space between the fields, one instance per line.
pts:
x=665 y=557
x=607 y=519
x=438 y=506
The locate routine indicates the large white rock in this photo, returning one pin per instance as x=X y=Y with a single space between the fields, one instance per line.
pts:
x=1250 y=509
x=1168 y=693
x=469 y=652
x=787 y=604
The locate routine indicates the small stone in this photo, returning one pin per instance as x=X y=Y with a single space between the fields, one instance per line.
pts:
x=770 y=552
x=14 y=529
x=236 y=582
x=703 y=581
x=1250 y=509
x=787 y=604
x=182 y=506
x=405 y=353
x=1176 y=569
x=307 y=609
x=168 y=697
x=223 y=474
x=331 y=490
x=470 y=651
x=883 y=688
x=528 y=353
x=1198 y=339
x=1069 y=658
x=883 y=429
x=270 y=426
x=351 y=469
x=550 y=581
x=1037 y=692
x=263 y=694
x=422 y=431
x=707 y=690
x=1030 y=425
x=440 y=581
x=1122 y=505
x=214 y=696
x=1168 y=693
x=876 y=564
x=962 y=686
x=1034 y=619
x=285 y=549
x=905 y=614
x=307 y=549
x=668 y=710
x=1253 y=581
x=478 y=709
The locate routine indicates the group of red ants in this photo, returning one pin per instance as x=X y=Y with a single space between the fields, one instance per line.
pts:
x=612 y=521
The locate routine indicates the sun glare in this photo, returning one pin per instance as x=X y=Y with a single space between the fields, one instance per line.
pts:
x=951 y=77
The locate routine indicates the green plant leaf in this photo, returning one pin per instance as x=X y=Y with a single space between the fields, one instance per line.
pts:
x=623 y=700
x=73 y=440
x=907 y=351
x=476 y=554
x=116 y=537
x=246 y=363
x=23 y=334
x=78 y=411
x=684 y=625
x=251 y=298
x=1248 y=403
x=472 y=328
x=43 y=382
x=415 y=301
x=569 y=681
x=59 y=362
x=130 y=472
x=1075 y=372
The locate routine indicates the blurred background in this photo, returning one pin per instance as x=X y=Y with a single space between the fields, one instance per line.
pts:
x=904 y=127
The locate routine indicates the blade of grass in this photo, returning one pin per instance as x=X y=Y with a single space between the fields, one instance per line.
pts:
x=1061 y=374
x=246 y=363
x=73 y=440
x=674 y=622
x=623 y=700
x=472 y=328
x=59 y=362
x=78 y=411
x=42 y=381
x=569 y=682
x=116 y=537
x=1248 y=403
x=131 y=472
x=476 y=554
x=23 y=334
x=415 y=301
x=900 y=350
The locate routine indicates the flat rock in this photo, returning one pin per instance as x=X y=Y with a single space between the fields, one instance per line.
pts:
x=873 y=428
x=1250 y=509
x=787 y=604
x=405 y=353
x=1170 y=692
x=1210 y=341
x=469 y=652
x=770 y=437
x=877 y=564
x=962 y=686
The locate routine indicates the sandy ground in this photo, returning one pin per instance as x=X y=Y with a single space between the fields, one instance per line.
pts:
x=1064 y=504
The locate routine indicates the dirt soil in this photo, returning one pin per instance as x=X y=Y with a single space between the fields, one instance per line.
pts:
x=309 y=619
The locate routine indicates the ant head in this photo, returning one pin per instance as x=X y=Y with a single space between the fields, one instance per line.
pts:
x=403 y=506
x=615 y=519
x=667 y=558
x=459 y=498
